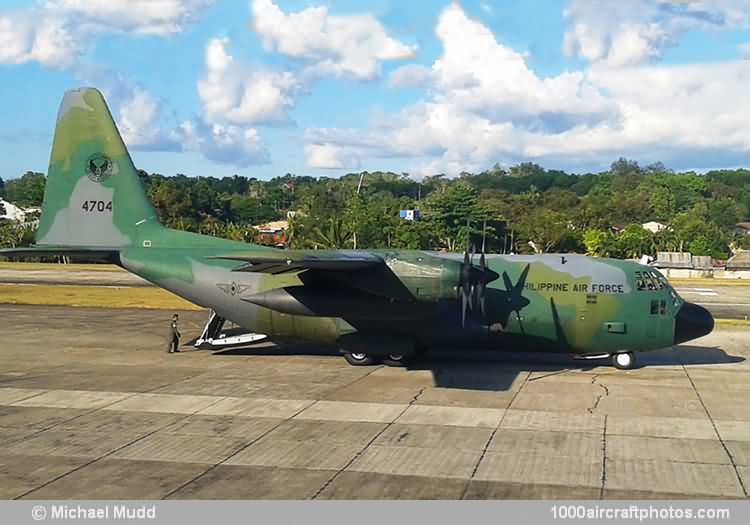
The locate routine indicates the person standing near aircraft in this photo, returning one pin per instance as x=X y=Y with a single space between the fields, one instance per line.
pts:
x=174 y=335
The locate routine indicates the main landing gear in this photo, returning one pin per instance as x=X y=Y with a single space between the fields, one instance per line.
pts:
x=363 y=359
x=623 y=360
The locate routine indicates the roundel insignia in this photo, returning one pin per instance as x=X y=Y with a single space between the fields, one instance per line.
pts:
x=98 y=167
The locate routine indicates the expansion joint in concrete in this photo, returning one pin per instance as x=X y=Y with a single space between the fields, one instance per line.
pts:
x=604 y=459
x=718 y=434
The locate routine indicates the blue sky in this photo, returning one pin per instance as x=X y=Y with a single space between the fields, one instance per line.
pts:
x=265 y=87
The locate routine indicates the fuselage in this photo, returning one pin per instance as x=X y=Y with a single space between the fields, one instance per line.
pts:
x=569 y=303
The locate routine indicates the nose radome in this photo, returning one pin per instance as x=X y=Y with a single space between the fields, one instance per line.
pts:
x=691 y=322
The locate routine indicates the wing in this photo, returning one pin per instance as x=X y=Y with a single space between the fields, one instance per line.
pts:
x=298 y=260
x=334 y=270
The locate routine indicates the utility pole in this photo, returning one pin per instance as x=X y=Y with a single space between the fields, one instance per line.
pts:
x=359 y=188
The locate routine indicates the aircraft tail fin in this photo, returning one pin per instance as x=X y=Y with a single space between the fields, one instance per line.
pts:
x=94 y=198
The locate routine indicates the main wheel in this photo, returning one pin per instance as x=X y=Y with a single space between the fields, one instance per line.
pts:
x=359 y=359
x=396 y=360
x=623 y=360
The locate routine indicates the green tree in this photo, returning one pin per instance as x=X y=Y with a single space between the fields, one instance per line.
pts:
x=634 y=241
x=450 y=210
x=27 y=190
x=599 y=243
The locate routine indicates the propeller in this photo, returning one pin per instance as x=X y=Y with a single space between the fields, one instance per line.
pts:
x=473 y=280
x=515 y=301
x=559 y=331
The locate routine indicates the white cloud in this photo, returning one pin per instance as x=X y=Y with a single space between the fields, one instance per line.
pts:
x=56 y=33
x=146 y=125
x=235 y=145
x=410 y=75
x=147 y=17
x=485 y=104
x=745 y=50
x=37 y=36
x=331 y=156
x=234 y=92
x=627 y=33
x=352 y=45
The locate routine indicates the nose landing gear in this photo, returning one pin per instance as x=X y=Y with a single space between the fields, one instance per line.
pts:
x=623 y=360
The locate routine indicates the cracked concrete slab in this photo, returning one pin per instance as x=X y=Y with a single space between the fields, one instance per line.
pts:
x=320 y=455
x=243 y=482
x=81 y=399
x=660 y=440
x=547 y=443
x=557 y=421
x=525 y=467
x=676 y=427
x=69 y=443
x=434 y=436
x=108 y=478
x=166 y=403
x=352 y=433
x=248 y=428
x=740 y=451
x=20 y=474
x=452 y=416
x=351 y=485
x=163 y=446
x=654 y=475
x=35 y=418
x=417 y=461
x=668 y=449
x=256 y=407
x=350 y=411
x=9 y=395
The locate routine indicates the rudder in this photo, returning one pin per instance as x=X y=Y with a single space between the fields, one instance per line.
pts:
x=94 y=197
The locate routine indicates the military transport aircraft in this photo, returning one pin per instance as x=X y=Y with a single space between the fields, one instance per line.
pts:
x=375 y=305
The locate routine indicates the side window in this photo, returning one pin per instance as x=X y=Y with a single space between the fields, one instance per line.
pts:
x=662 y=307
x=654 y=307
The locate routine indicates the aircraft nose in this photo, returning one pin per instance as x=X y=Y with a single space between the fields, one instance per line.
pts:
x=692 y=321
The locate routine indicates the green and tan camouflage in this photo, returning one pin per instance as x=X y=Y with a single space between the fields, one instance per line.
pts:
x=371 y=303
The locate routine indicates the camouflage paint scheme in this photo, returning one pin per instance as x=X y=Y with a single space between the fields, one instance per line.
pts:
x=95 y=205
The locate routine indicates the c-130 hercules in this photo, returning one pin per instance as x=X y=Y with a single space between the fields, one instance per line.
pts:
x=375 y=305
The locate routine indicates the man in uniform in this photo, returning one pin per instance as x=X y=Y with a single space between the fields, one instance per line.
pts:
x=174 y=335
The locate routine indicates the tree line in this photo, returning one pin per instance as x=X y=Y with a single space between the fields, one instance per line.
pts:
x=525 y=208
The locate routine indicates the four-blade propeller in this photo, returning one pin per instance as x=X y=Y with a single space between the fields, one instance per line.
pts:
x=473 y=281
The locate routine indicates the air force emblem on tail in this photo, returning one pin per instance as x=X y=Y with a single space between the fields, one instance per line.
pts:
x=99 y=167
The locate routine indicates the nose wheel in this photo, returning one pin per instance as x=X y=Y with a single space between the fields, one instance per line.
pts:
x=623 y=360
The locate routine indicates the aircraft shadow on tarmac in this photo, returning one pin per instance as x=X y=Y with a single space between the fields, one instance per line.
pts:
x=496 y=371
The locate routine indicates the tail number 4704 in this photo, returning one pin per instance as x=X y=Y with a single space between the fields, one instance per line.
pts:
x=97 y=206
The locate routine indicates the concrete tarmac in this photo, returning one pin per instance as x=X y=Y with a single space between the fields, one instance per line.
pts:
x=91 y=406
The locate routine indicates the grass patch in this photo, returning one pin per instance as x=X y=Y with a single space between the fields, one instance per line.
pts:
x=731 y=322
x=106 y=297
x=8 y=265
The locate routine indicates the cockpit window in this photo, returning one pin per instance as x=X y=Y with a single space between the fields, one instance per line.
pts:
x=652 y=281
x=649 y=281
